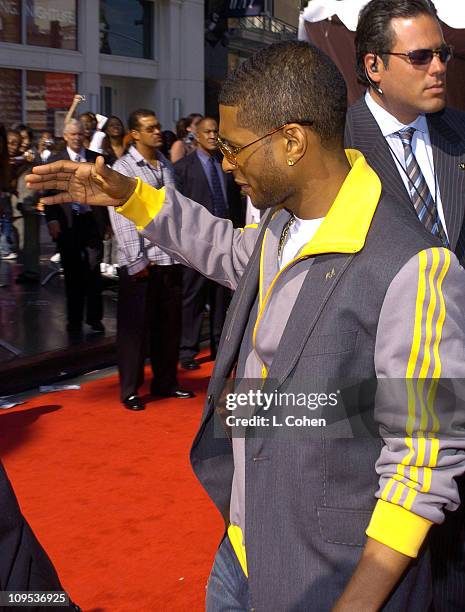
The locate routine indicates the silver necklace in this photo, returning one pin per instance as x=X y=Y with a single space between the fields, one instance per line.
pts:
x=284 y=235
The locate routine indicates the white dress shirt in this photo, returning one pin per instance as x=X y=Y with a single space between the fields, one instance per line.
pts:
x=300 y=234
x=421 y=147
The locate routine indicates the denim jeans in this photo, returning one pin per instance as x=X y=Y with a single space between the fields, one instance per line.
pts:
x=6 y=226
x=228 y=587
x=6 y=236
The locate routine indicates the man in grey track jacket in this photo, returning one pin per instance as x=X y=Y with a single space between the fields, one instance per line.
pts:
x=338 y=282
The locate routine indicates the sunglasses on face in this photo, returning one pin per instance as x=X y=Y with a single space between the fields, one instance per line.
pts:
x=231 y=151
x=423 y=57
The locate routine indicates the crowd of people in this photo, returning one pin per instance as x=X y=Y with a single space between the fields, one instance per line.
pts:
x=169 y=299
x=21 y=148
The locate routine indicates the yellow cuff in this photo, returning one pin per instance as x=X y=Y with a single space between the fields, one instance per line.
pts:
x=398 y=528
x=144 y=204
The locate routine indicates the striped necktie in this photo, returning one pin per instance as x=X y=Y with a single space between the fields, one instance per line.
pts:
x=220 y=208
x=420 y=194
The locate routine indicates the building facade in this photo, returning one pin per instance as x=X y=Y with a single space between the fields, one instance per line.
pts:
x=119 y=54
x=235 y=29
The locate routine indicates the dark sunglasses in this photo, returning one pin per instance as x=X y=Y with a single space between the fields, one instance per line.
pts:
x=422 y=57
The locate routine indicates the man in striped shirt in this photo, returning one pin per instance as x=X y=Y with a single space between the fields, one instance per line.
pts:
x=150 y=282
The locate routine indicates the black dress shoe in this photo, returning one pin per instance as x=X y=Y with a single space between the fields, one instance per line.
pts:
x=176 y=393
x=133 y=402
x=190 y=364
x=97 y=327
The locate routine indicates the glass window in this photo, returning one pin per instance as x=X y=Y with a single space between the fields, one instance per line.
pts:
x=48 y=98
x=126 y=28
x=10 y=97
x=10 y=21
x=52 y=23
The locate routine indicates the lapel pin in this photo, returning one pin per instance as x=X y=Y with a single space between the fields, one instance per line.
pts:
x=462 y=166
x=330 y=274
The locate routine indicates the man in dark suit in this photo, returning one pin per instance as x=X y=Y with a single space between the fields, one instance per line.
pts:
x=417 y=147
x=402 y=58
x=78 y=230
x=199 y=176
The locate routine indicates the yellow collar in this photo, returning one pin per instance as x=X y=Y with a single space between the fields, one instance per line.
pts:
x=346 y=225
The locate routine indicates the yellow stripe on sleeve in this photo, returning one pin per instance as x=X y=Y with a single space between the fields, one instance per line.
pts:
x=144 y=204
x=412 y=362
x=426 y=340
x=442 y=315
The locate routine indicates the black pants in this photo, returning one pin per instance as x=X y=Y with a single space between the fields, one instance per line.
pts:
x=31 y=248
x=81 y=249
x=149 y=309
x=196 y=291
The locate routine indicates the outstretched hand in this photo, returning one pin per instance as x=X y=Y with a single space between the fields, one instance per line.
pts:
x=94 y=184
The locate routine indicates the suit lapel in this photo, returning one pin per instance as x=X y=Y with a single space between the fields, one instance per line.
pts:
x=322 y=278
x=368 y=138
x=448 y=153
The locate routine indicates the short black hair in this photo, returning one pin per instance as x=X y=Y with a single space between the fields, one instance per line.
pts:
x=207 y=118
x=374 y=32
x=289 y=82
x=133 y=120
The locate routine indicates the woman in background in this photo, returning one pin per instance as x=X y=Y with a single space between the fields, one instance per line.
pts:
x=113 y=146
x=186 y=132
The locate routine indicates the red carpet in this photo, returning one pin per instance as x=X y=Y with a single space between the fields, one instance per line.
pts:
x=111 y=495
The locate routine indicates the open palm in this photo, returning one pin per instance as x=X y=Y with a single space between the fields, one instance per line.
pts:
x=93 y=184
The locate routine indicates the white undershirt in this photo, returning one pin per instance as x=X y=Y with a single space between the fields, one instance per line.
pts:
x=421 y=147
x=300 y=234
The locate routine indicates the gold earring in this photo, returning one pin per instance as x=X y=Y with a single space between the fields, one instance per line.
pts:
x=290 y=162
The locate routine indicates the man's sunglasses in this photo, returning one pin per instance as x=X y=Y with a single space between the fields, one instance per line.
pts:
x=422 y=57
x=231 y=151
